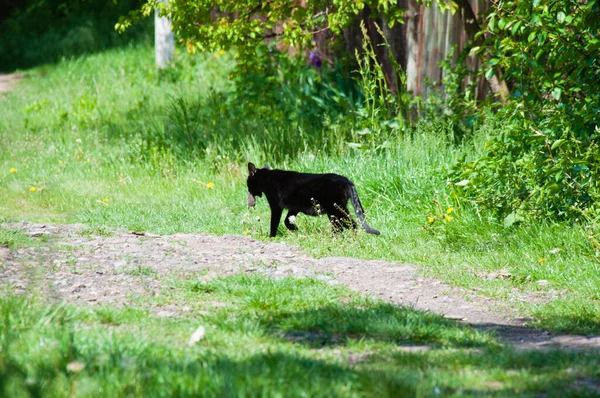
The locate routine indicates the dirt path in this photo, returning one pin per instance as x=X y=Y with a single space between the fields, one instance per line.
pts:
x=8 y=81
x=76 y=264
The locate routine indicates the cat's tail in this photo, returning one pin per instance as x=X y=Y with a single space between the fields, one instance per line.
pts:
x=360 y=213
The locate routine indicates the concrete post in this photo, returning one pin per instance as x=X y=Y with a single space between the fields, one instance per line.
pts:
x=164 y=40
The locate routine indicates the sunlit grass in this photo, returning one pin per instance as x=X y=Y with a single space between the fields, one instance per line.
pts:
x=292 y=337
x=79 y=144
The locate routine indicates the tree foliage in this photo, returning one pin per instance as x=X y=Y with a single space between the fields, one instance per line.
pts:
x=223 y=24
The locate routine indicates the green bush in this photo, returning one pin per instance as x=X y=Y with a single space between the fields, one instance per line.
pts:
x=531 y=172
x=277 y=102
x=542 y=160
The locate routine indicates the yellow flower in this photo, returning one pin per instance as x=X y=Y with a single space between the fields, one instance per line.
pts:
x=59 y=161
x=447 y=218
x=246 y=232
x=210 y=185
x=450 y=210
x=221 y=52
x=542 y=260
x=430 y=219
x=32 y=189
x=105 y=200
x=12 y=170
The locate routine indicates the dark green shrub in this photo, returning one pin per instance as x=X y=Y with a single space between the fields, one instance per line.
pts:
x=44 y=31
x=543 y=160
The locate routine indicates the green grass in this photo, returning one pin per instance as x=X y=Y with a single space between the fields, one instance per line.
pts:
x=12 y=238
x=289 y=337
x=103 y=141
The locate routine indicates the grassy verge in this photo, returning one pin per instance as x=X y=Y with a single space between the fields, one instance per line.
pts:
x=273 y=337
x=101 y=140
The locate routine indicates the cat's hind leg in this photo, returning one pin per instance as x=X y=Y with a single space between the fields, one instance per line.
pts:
x=345 y=217
x=340 y=218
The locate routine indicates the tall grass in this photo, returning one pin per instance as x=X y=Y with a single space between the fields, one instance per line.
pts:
x=107 y=140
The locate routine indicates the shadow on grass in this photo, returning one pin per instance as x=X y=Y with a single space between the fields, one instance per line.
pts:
x=405 y=327
x=586 y=323
x=357 y=351
x=379 y=322
x=47 y=31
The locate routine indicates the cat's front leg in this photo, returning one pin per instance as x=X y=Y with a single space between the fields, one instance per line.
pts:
x=275 y=218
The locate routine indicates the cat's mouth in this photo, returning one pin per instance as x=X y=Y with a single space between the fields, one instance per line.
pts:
x=251 y=200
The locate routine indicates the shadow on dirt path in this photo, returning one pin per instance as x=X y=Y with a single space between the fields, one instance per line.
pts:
x=92 y=266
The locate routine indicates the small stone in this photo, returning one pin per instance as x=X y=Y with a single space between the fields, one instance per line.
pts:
x=455 y=317
x=197 y=335
x=36 y=234
x=165 y=314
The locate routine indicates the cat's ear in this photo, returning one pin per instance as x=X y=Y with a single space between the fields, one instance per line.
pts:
x=266 y=167
x=251 y=169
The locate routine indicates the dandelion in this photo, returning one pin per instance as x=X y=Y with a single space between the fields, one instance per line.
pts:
x=210 y=185
x=292 y=219
x=447 y=218
x=106 y=200
x=246 y=232
x=13 y=170
x=32 y=189
x=450 y=210
x=430 y=219
x=542 y=260
x=221 y=52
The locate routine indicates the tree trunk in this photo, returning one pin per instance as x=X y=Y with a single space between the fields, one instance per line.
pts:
x=164 y=40
x=497 y=84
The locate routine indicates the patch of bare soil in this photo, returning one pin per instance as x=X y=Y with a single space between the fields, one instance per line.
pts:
x=8 y=81
x=76 y=264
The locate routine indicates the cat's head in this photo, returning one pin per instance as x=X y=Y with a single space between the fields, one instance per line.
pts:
x=254 y=182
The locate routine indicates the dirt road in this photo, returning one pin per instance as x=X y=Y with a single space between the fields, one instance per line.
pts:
x=76 y=264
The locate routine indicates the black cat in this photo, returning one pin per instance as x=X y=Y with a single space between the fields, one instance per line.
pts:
x=312 y=194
